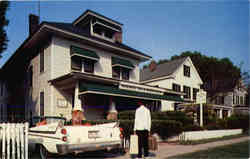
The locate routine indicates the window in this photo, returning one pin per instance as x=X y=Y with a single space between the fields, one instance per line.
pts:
x=125 y=74
x=42 y=60
x=41 y=103
x=241 y=100
x=1 y=85
x=187 y=91
x=176 y=87
x=88 y=66
x=30 y=76
x=116 y=72
x=233 y=99
x=195 y=91
x=219 y=100
x=237 y=99
x=186 y=71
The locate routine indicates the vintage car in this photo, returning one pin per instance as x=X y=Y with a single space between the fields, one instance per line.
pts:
x=51 y=135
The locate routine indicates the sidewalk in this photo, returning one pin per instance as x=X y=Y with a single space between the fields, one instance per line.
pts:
x=172 y=149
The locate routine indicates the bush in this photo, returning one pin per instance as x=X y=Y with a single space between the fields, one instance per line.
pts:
x=169 y=115
x=192 y=127
x=238 y=122
x=164 y=128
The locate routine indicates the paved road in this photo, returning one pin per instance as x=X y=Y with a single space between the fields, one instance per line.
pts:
x=165 y=150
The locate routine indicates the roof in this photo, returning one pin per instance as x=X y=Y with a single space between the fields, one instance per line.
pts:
x=114 y=91
x=164 y=69
x=96 y=14
x=77 y=30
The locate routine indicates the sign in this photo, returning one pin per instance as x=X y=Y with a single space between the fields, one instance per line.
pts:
x=201 y=97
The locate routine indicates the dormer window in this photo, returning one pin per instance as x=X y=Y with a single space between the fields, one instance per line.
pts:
x=104 y=30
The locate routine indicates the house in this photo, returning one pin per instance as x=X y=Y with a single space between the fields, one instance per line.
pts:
x=233 y=99
x=179 y=75
x=80 y=64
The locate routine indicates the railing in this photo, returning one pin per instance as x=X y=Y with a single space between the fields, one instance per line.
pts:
x=14 y=140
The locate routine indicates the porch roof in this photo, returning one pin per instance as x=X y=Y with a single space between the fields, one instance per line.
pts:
x=114 y=91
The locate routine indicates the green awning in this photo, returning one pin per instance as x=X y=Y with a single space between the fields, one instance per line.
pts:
x=76 y=51
x=114 y=91
x=118 y=62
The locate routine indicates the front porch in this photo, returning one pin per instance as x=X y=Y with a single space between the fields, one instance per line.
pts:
x=103 y=98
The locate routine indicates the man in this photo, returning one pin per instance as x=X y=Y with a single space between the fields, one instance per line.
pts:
x=142 y=128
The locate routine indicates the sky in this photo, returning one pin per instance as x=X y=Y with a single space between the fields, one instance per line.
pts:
x=160 y=29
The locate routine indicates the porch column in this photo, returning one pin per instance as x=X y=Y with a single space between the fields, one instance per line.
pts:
x=221 y=113
x=201 y=114
x=228 y=113
x=112 y=113
x=77 y=111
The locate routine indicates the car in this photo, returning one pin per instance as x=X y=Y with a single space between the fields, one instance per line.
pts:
x=52 y=135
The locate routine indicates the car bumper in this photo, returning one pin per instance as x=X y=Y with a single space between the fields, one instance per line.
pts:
x=69 y=148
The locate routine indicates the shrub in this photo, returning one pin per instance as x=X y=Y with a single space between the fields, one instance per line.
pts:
x=238 y=122
x=192 y=127
x=169 y=115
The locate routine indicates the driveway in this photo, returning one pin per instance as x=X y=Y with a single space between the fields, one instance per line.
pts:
x=165 y=150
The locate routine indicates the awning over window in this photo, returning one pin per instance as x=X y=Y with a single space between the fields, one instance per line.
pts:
x=76 y=51
x=117 y=62
x=114 y=91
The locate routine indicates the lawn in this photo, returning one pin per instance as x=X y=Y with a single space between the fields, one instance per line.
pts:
x=238 y=150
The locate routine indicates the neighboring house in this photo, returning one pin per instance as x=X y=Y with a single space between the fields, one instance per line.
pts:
x=231 y=99
x=83 y=63
x=179 y=75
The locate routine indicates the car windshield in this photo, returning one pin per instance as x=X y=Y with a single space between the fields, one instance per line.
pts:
x=49 y=120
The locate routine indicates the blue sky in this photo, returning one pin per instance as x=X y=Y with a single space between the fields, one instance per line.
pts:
x=161 y=29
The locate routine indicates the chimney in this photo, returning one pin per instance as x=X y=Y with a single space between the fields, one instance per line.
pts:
x=152 y=65
x=33 y=23
x=118 y=37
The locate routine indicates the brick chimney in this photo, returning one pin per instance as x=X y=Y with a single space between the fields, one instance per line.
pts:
x=152 y=65
x=33 y=23
x=118 y=37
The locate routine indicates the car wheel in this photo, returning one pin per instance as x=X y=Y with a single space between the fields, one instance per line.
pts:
x=43 y=152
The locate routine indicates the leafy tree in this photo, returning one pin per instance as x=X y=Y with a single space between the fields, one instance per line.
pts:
x=3 y=22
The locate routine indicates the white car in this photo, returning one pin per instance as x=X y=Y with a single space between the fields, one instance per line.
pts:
x=57 y=138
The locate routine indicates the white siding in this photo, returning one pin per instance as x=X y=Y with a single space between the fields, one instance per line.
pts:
x=103 y=67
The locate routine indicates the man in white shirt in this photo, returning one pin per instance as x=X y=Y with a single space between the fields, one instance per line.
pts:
x=142 y=128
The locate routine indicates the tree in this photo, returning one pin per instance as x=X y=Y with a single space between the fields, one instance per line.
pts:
x=218 y=75
x=3 y=23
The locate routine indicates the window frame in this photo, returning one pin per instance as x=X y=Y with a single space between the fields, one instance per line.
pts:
x=188 y=94
x=42 y=99
x=125 y=71
x=85 y=67
x=195 y=91
x=177 y=86
x=186 y=71
x=118 y=74
x=42 y=60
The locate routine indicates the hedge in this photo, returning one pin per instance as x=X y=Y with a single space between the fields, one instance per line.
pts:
x=169 y=115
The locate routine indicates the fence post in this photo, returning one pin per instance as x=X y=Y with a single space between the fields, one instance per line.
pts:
x=22 y=141
x=13 y=140
x=17 y=140
x=26 y=139
x=8 y=140
x=3 y=141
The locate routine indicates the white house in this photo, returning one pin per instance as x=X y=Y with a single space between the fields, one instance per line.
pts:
x=179 y=75
x=85 y=64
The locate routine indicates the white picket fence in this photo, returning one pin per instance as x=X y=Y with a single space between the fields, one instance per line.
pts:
x=14 y=140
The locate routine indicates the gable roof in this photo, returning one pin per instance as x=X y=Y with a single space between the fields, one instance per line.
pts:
x=77 y=30
x=164 y=69
x=92 y=13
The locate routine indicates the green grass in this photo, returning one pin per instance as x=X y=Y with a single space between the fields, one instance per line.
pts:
x=196 y=142
x=234 y=151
